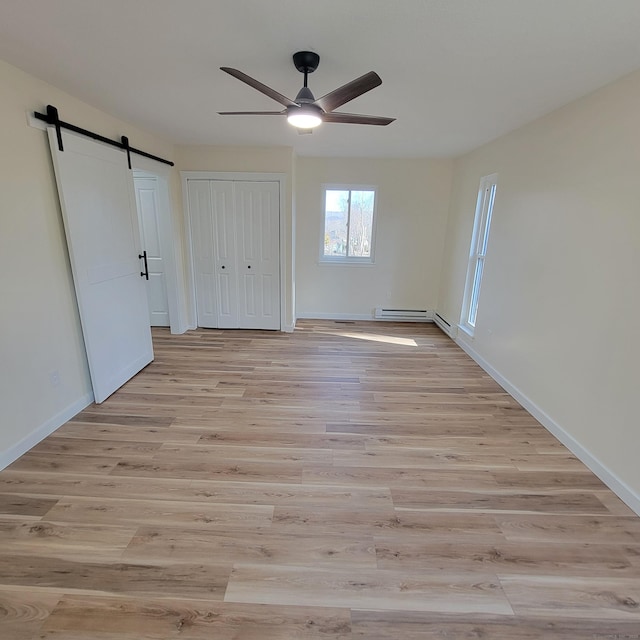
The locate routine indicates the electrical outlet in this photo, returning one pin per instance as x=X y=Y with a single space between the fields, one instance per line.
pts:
x=54 y=378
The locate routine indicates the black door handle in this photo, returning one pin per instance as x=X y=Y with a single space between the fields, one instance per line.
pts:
x=145 y=273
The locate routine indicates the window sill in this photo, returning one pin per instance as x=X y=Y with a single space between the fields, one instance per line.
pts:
x=468 y=331
x=347 y=263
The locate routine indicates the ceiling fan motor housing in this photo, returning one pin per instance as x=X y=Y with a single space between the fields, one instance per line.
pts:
x=306 y=61
x=305 y=96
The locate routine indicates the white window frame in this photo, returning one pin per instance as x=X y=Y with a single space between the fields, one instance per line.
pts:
x=478 y=251
x=348 y=260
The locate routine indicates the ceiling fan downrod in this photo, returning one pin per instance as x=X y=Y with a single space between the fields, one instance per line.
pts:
x=306 y=62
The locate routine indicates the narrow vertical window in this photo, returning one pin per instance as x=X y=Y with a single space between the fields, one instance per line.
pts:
x=348 y=219
x=478 y=252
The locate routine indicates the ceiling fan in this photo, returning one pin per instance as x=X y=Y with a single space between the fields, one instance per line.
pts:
x=305 y=112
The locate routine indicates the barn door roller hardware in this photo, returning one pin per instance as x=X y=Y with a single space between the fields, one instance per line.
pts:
x=52 y=118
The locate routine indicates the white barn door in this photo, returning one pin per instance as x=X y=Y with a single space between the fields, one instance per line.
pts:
x=98 y=204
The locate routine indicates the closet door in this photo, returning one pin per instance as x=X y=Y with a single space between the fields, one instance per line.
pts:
x=214 y=256
x=224 y=254
x=235 y=239
x=257 y=213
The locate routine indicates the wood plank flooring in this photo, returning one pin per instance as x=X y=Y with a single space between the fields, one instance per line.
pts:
x=348 y=481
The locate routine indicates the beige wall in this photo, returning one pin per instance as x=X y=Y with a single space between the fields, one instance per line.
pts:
x=39 y=326
x=411 y=212
x=240 y=159
x=560 y=301
x=251 y=160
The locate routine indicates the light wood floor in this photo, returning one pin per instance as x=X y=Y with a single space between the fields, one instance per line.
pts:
x=348 y=481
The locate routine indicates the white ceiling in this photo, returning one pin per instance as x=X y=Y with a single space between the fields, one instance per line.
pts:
x=456 y=73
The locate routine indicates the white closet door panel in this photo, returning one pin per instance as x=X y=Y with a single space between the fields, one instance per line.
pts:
x=258 y=239
x=98 y=206
x=248 y=291
x=226 y=302
x=157 y=300
x=269 y=296
x=202 y=235
x=224 y=246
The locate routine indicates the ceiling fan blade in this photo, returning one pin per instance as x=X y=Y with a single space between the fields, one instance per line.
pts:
x=268 y=91
x=349 y=91
x=355 y=118
x=252 y=113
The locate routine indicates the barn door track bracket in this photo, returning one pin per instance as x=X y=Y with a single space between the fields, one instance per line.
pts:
x=52 y=118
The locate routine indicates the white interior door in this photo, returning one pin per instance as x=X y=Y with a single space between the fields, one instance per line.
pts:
x=235 y=244
x=224 y=253
x=99 y=211
x=147 y=200
x=257 y=213
x=213 y=247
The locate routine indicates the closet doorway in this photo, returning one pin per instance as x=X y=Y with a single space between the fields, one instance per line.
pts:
x=150 y=224
x=162 y=243
x=234 y=227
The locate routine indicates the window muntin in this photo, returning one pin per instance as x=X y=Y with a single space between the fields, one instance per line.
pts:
x=348 y=223
x=478 y=252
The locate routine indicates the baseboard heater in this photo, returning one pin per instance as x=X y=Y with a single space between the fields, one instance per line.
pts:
x=403 y=315
x=444 y=325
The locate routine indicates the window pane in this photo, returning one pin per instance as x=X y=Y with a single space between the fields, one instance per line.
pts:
x=475 y=292
x=336 y=218
x=361 y=223
x=479 y=243
x=487 y=222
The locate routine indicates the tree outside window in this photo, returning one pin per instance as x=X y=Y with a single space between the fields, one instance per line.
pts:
x=348 y=224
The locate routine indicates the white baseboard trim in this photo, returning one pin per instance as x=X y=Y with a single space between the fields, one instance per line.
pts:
x=288 y=328
x=44 y=430
x=620 y=488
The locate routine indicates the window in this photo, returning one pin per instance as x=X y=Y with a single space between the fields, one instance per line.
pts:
x=348 y=221
x=478 y=252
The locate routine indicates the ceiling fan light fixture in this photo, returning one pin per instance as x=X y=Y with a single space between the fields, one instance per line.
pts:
x=304 y=117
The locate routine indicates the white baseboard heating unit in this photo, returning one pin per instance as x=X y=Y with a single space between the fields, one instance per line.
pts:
x=445 y=326
x=403 y=315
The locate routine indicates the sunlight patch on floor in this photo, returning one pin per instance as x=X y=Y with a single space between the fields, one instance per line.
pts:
x=374 y=337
